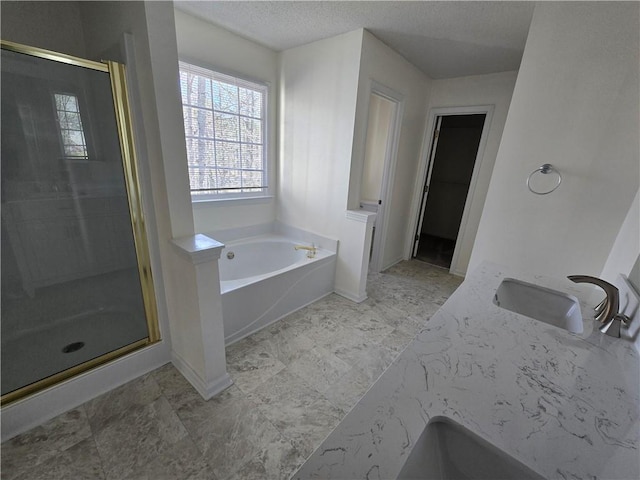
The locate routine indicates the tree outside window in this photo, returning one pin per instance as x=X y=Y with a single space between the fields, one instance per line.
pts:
x=224 y=121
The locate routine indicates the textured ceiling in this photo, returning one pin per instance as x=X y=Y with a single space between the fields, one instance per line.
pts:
x=443 y=39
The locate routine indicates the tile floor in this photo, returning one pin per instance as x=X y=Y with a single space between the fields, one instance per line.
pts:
x=293 y=383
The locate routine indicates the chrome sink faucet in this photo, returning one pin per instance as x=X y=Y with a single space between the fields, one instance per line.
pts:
x=607 y=310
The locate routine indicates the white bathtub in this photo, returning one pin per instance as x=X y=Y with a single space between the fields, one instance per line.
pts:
x=267 y=279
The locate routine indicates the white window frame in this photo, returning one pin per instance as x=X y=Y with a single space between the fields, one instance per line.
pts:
x=264 y=192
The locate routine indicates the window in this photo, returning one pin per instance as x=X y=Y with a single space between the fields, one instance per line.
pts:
x=74 y=144
x=224 y=125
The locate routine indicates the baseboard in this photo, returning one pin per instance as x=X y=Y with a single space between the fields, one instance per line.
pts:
x=34 y=410
x=391 y=264
x=206 y=390
x=350 y=296
x=458 y=273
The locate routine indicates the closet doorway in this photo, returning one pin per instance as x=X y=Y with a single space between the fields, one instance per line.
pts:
x=453 y=154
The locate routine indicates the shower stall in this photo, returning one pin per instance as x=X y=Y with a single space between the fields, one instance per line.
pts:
x=77 y=289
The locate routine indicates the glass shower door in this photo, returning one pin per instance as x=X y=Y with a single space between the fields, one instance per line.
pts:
x=77 y=289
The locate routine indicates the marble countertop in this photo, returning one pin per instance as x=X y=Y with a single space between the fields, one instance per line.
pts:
x=565 y=405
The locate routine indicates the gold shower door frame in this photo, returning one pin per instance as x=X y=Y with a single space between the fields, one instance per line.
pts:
x=124 y=124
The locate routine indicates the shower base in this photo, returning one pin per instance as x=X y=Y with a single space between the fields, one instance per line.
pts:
x=35 y=347
x=36 y=355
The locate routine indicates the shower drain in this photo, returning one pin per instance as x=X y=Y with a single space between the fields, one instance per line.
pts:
x=72 y=347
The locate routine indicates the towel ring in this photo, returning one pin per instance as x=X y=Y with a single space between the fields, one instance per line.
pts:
x=544 y=169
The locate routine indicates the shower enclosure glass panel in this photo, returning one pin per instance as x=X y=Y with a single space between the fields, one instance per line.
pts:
x=76 y=287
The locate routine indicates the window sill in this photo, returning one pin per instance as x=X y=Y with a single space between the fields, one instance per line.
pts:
x=231 y=201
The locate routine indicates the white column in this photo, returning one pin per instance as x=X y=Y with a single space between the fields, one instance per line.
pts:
x=199 y=353
x=353 y=255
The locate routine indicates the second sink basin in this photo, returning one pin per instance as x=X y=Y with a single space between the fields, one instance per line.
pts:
x=447 y=451
x=543 y=304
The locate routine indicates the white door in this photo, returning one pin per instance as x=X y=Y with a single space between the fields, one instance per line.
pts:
x=383 y=130
x=425 y=190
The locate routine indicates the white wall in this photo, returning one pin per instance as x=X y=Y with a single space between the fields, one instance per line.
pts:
x=210 y=46
x=318 y=87
x=164 y=60
x=634 y=275
x=52 y=25
x=575 y=105
x=385 y=66
x=626 y=248
x=380 y=111
x=494 y=89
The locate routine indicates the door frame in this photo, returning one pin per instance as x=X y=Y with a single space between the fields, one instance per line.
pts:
x=388 y=172
x=425 y=167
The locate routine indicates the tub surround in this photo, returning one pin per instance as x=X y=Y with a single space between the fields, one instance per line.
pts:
x=275 y=228
x=565 y=405
x=305 y=236
x=263 y=279
x=227 y=313
x=198 y=248
x=231 y=234
x=250 y=260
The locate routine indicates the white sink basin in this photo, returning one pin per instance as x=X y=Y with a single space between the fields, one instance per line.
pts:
x=447 y=451
x=540 y=303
